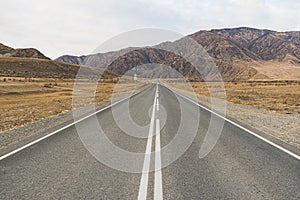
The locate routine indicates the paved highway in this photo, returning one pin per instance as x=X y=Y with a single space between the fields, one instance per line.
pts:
x=240 y=166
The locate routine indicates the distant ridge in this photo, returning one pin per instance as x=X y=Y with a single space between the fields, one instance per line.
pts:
x=78 y=60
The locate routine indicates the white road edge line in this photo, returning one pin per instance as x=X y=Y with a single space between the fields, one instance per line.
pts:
x=241 y=127
x=146 y=166
x=65 y=127
x=158 y=189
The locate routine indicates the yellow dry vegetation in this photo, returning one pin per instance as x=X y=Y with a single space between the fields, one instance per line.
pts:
x=281 y=96
x=24 y=101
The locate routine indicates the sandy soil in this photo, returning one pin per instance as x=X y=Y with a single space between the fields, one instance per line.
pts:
x=283 y=70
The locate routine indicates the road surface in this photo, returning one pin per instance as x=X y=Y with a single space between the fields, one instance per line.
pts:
x=240 y=166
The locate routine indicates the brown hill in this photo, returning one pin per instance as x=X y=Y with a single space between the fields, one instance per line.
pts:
x=42 y=68
x=6 y=51
x=33 y=64
x=240 y=54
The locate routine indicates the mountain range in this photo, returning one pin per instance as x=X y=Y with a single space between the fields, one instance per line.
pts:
x=239 y=53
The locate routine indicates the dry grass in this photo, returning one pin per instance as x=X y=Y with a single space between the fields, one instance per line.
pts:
x=280 y=96
x=23 y=101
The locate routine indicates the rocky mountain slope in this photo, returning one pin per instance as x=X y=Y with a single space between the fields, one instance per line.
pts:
x=265 y=44
x=240 y=54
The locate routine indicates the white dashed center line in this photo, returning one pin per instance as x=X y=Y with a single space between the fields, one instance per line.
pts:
x=158 y=194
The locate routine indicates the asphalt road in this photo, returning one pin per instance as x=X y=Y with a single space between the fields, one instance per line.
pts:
x=240 y=166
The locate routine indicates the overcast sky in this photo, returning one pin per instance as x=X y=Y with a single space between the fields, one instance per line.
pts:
x=58 y=27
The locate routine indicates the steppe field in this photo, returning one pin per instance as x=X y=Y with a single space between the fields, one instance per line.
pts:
x=279 y=96
x=26 y=100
